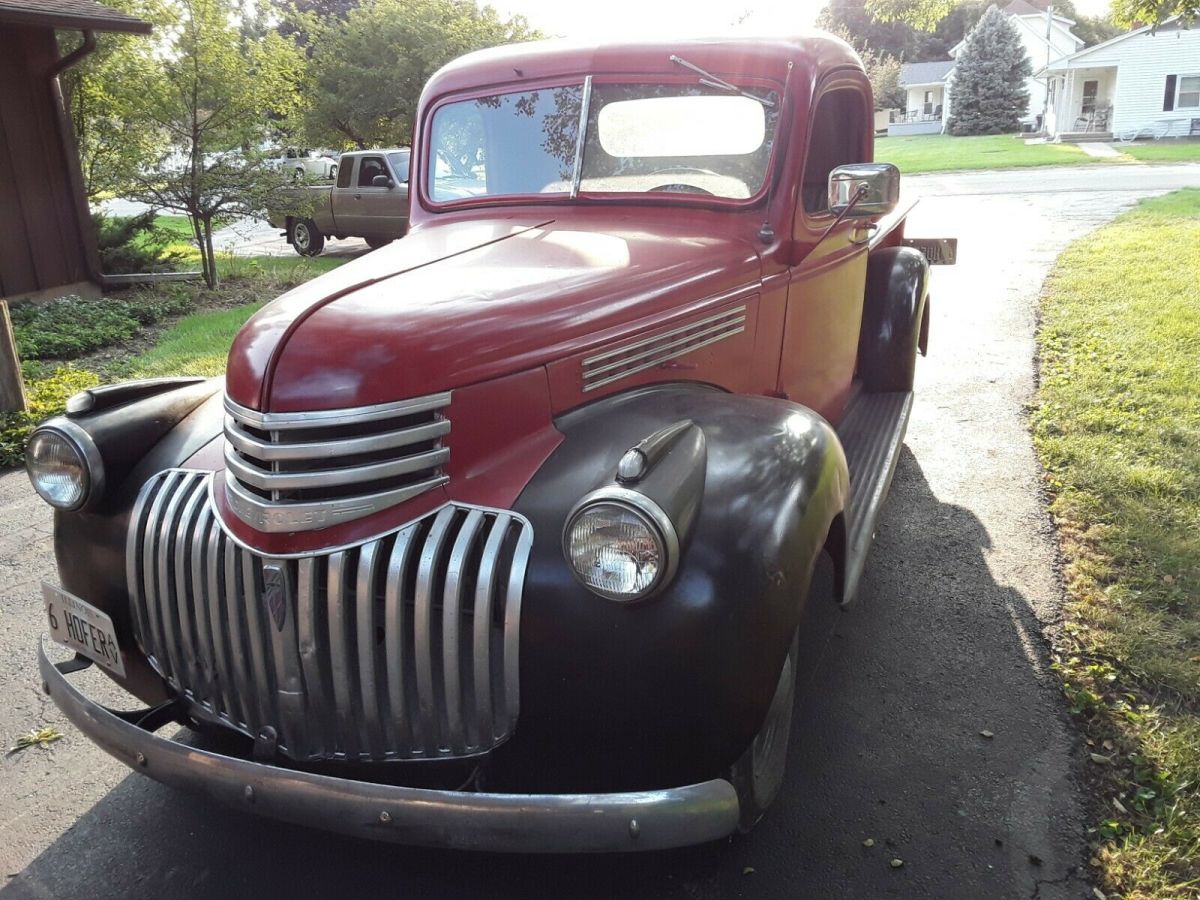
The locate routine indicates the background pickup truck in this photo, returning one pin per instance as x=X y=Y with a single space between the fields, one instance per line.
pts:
x=369 y=200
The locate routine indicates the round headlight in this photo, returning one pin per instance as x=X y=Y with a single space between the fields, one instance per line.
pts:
x=617 y=550
x=59 y=468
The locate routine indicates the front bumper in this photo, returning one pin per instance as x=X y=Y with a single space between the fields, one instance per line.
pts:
x=517 y=823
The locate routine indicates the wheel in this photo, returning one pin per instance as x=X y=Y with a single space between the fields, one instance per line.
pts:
x=333 y=172
x=376 y=242
x=306 y=238
x=758 y=774
x=298 y=174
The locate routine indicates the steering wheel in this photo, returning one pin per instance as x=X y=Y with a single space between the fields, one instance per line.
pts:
x=677 y=187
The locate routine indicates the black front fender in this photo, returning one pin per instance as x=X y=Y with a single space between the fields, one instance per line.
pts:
x=627 y=696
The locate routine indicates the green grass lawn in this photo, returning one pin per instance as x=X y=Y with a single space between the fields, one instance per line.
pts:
x=1117 y=426
x=1166 y=150
x=943 y=153
x=195 y=345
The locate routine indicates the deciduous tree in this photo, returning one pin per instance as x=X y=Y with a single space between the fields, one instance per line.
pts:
x=368 y=69
x=211 y=96
x=925 y=14
x=988 y=94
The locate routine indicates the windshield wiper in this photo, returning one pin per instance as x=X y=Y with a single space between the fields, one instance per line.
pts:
x=710 y=80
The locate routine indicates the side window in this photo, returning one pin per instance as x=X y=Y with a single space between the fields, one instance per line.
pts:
x=837 y=139
x=368 y=168
x=345 y=169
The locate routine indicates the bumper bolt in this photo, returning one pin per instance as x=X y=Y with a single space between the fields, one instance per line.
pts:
x=248 y=793
x=634 y=829
x=141 y=759
x=385 y=817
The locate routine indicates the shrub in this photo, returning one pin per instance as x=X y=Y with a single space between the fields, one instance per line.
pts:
x=47 y=397
x=135 y=244
x=71 y=326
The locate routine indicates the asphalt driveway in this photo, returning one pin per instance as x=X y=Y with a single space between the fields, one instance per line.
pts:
x=944 y=644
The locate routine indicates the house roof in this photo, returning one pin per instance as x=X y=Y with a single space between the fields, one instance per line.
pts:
x=1067 y=62
x=84 y=15
x=925 y=72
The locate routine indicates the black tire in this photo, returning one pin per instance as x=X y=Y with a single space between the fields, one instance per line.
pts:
x=897 y=290
x=376 y=242
x=305 y=237
x=758 y=773
x=333 y=172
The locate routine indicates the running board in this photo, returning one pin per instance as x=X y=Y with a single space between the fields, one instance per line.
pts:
x=872 y=433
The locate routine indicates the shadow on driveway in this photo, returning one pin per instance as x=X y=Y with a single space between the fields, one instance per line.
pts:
x=886 y=745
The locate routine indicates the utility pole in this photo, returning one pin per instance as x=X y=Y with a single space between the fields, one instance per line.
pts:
x=12 y=388
x=1046 y=89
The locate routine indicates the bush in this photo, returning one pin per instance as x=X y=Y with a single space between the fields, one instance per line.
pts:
x=47 y=397
x=135 y=244
x=71 y=326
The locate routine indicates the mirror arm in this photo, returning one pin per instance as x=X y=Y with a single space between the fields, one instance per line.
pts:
x=858 y=195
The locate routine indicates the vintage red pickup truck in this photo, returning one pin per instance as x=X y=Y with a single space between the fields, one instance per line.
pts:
x=499 y=537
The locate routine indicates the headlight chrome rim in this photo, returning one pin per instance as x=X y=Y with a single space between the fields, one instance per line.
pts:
x=656 y=520
x=91 y=464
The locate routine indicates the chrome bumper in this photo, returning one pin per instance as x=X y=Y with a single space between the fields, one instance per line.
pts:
x=516 y=823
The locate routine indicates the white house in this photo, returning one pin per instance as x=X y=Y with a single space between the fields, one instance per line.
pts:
x=1047 y=37
x=1144 y=83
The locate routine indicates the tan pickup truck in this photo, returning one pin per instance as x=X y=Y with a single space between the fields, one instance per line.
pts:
x=369 y=200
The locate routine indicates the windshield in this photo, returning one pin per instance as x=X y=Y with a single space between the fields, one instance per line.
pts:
x=399 y=161
x=639 y=138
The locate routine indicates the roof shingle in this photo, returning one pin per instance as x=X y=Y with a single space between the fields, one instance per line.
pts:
x=74 y=14
x=925 y=72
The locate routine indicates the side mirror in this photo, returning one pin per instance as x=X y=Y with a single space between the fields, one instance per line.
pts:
x=383 y=181
x=879 y=184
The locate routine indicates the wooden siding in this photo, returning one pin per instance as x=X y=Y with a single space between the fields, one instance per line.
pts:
x=43 y=244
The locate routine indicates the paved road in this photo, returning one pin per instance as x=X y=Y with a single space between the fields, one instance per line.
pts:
x=945 y=643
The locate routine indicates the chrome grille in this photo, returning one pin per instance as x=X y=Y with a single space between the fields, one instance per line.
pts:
x=299 y=471
x=404 y=647
x=629 y=359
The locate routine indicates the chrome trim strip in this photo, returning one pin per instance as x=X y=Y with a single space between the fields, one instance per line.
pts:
x=545 y=823
x=365 y=625
x=252 y=607
x=204 y=639
x=274 y=517
x=658 y=348
x=512 y=629
x=339 y=653
x=321 y=734
x=328 y=418
x=581 y=136
x=452 y=596
x=224 y=702
x=423 y=628
x=481 y=651
x=397 y=650
x=680 y=342
x=184 y=566
x=668 y=333
x=322 y=478
x=338 y=447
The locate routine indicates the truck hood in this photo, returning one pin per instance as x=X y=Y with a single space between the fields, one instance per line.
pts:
x=460 y=303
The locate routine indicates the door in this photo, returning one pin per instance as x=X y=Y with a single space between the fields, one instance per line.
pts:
x=828 y=274
x=382 y=210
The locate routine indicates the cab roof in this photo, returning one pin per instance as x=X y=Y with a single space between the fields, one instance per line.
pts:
x=812 y=54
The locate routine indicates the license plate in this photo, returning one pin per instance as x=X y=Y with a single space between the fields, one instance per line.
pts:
x=939 y=251
x=83 y=628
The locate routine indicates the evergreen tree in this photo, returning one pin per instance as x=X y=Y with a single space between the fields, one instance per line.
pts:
x=988 y=93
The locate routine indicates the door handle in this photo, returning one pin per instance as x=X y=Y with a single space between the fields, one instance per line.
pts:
x=358 y=196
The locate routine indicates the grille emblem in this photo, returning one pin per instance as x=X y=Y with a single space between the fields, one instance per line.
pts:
x=275 y=593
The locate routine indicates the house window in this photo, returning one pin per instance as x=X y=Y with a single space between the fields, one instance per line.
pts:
x=1189 y=92
x=928 y=108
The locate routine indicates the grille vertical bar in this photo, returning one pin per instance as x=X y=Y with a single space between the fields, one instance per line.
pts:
x=403 y=647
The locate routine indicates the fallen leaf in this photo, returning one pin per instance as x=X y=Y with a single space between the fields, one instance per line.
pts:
x=1099 y=894
x=987 y=734
x=1034 y=859
x=896 y=863
x=1108 y=745
x=1100 y=759
x=869 y=842
x=1120 y=807
x=41 y=737
x=749 y=870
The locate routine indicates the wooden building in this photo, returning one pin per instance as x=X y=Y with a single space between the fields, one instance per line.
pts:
x=47 y=243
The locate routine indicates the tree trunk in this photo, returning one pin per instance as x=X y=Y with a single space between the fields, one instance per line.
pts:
x=12 y=388
x=212 y=277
